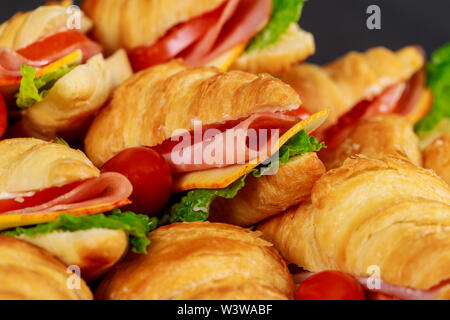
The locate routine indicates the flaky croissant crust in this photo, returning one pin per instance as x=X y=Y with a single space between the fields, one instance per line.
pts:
x=355 y=77
x=201 y=261
x=32 y=164
x=30 y=273
x=154 y=103
x=386 y=213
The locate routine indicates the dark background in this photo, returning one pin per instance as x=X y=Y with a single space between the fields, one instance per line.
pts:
x=340 y=25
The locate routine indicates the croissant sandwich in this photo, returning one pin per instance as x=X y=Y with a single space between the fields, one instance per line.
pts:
x=217 y=256
x=249 y=35
x=52 y=75
x=245 y=126
x=361 y=85
x=437 y=157
x=387 y=220
x=54 y=197
x=30 y=273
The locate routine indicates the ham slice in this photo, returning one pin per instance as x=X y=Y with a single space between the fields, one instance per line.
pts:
x=108 y=188
x=11 y=61
x=217 y=148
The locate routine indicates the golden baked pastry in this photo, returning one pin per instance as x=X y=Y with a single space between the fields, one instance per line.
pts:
x=32 y=164
x=386 y=213
x=377 y=137
x=94 y=251
x=437 y=157
x=130 y=24
x=356 y=77
x=69 y=106
x=151 y=105
x=263 y=197
x=30 y=273
x=201 y=261
x=293 y=47
x=26 y=28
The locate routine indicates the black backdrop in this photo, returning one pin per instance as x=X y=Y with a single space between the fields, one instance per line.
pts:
x=340 y=25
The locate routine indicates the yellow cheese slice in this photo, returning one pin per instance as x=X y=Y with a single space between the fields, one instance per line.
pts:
x=225 y=60
x=222 y=177
x=422 y=107
x=19 y=220
x=71 y=59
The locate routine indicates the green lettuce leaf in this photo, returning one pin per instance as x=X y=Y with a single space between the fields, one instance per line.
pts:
x=196 y=204
x=34 y=89
x=284 y=13
x=438 y=79
x=136 y=226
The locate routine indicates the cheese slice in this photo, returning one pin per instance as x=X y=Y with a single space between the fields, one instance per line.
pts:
x=226 y=60
x=422 y=107
x=218 y=178
x=19 y=220
x=71 y=59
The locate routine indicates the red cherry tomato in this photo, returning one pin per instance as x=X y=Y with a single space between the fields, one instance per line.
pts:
x=39 y=197
x=174 y=42
x=330 y=285
x=150 y=176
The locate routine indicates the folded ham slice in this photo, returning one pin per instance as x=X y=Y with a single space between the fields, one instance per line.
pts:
x=251 y=138
x=106 y=189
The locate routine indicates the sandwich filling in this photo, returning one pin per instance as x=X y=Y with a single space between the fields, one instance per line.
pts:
x=231 y=28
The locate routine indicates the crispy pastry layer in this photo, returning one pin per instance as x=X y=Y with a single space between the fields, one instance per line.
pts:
x=26 y=28
x=130 y=24
x=201 y=261
x=154 y=103
x=95 y=251
x=341 y=85
x=386 y=213
x=31 y=164
x=377 y=137
x=75 y=98
x=437 y=157
x=30 y=273
x=267 y=196
x=293 y=47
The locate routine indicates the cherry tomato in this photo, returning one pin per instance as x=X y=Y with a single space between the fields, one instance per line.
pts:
x=330 y=285
x=150 y=176
x=39 y=197
x=174 y=42
x=3 y=116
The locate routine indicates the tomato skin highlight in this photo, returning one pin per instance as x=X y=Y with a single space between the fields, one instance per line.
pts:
x=3 y=116
x=150 y=175
x=330 y=285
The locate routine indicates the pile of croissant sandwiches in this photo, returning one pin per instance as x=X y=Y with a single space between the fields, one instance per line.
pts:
x=159 y=150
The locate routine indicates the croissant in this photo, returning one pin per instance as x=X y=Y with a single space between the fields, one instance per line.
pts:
x=351 y=79
x=149 y=107
x=437 y=157
x=219 y=259
x=30 y=273
x=386 y=213
x=267 y=196
x=75 y=98
x=26 y=28
x=28 y=166
x=377 y=137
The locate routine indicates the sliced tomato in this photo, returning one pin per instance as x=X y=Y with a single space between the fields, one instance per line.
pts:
x=3 y=116
x=300 y=113
x=59 y=45
x=37 y=198
x=174 y=42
